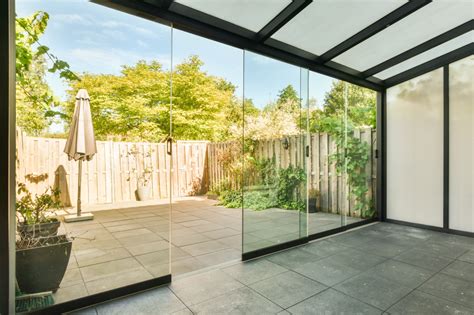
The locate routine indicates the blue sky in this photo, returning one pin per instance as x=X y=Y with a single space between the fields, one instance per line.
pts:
x=96 y=39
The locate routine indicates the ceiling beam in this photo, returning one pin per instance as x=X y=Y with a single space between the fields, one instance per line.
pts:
x=295 y=7
x=373 y=29
x=438 y=40
x=431 y=65
x=192 y=23
x=165 y=4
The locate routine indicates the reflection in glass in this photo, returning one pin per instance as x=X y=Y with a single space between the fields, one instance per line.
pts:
x=341 y=164
x=274 y=176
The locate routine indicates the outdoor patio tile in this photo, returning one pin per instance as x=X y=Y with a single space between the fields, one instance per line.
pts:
x=376 y=291
x=423 y=259
x=357 y=259
x=103 y=244
x=116 y=268
x=220 y=257
x=467 y=257
x=450 y=288
x=70 y=293
x=118 y=280
x=292 y=258
x=287 y=289
x=140 y=239
x=92 y=256
x=125 y=227
x=178 y=253
x=135 y=232
x=158 y=257
x=183 y=218
x=189 y=240
x=71 y=277
x=417 y=303
x=248 y=247
x=351 y=239
x=81 y=226
x=207 y=227
x=327 y=271
x=147 y=222
x=232 y=241
x=402 y=273
x=165 y=228
x=203 y=286
x=323 y=248
x=185 y=265
x=241 y=301
x=115 y=223
x=203 y=248
x=194 y=223
x=332 y=302
x=253 y=271
x=139 y=249
x=93 y=234
x=460 y=269
x=155 y=301
x=218 y=234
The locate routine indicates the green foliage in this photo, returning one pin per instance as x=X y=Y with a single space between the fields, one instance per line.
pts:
x=289 y=185
x=35 y=210
x=34 y=99
x=135 y=105
x=272 y=188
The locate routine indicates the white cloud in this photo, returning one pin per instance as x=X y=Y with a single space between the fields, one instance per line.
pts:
x=72 y=18
x=121 y=25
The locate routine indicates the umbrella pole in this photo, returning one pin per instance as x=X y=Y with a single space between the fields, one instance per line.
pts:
x=79 y=216
x=79 y=190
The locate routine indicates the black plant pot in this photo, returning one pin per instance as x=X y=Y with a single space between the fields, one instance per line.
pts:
x=312 y=205
x=42 y=268
x=39 y=229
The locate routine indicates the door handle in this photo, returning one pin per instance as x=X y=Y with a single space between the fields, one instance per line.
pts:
x=307 y=151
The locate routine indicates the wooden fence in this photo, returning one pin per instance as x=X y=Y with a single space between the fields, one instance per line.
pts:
x=111 y=176
x=334 y=190
x=196 y=165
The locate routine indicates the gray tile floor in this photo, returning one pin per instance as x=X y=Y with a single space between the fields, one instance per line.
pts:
x=131 y=244
x=381 y=268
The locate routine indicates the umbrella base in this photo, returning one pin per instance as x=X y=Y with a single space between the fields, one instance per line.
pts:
x=75 y=218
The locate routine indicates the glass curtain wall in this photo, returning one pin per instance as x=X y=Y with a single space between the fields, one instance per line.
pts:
x=274 y=160
x=341 y=167
x=122 y=63
x=461 y=145
x=415 y=150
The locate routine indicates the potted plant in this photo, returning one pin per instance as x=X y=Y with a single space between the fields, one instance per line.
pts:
x=143 y=171
x=42 y=255
x=313 y=195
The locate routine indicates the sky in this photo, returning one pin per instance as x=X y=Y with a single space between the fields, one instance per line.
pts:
x=96 y=39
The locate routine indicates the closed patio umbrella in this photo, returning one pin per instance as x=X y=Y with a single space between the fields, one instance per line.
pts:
x=80 y=145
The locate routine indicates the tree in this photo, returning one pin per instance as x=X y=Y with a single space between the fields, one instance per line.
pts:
x=35 y=101
x=361 y=109
x=135 y=105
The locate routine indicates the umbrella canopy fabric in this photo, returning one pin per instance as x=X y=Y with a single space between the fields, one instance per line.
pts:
x=80 y=145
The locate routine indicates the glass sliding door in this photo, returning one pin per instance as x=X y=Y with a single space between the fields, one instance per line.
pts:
x=341 y=165
x=118 y=66
x=274 y=144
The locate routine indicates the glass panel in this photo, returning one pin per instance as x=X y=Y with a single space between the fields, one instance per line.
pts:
x=432 y=20
x=123 y=63
x=250 y=14
x=341 y=167
x=274 y=171
x=415 y=150
x=326 y=23
x=207 y=128
x=461 y=146
x=431 y=54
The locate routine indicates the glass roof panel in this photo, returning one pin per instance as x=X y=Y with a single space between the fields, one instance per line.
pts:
x=326 y=23
x=431 y=54
x=433 y=19
x=249 y=14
